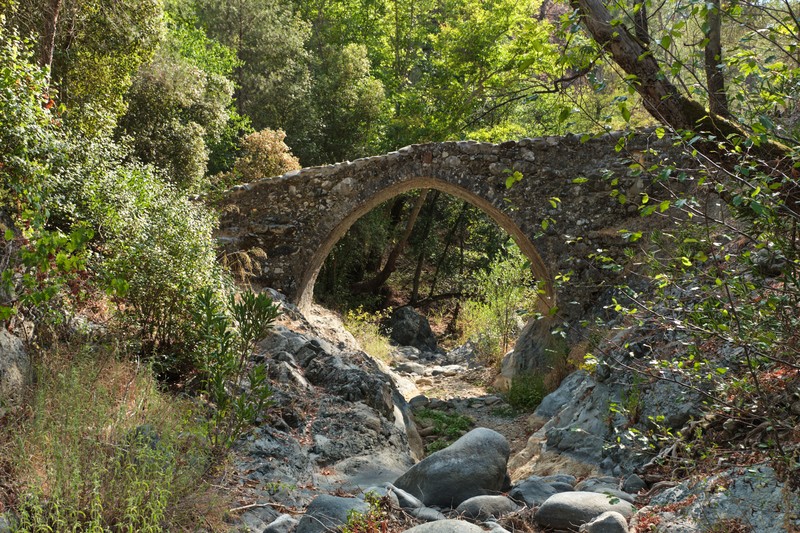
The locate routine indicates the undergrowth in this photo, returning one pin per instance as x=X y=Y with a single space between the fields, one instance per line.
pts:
x=366 y=328
x=100 y=448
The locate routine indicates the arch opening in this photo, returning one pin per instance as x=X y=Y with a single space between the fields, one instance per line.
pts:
x=546 y=299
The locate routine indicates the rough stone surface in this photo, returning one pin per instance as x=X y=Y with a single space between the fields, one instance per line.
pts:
x=608 y=522
x=570 y=510
x=428 y=514
x=474 y=465
x=15 y=368
x=325 y=201
x=486 y=507
x=446 y=526
x=327 y=513
x=753 y=496
x=409 y=328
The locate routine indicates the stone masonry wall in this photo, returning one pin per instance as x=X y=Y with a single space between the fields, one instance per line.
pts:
x=291 y=222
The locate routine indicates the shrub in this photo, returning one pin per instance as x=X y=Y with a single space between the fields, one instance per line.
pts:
x=505 y=293
x=526 y=391
x=228 y=336
x=366 y=328
x=264 y=154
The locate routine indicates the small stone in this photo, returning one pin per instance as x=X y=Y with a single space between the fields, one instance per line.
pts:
x=485 y=507
x=427 y=513
x=633 y=484
x=283 y=524
x=446 y=526
x=609 y=522
x=329 y=513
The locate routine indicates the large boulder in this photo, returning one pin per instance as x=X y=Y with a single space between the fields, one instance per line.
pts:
x=570 y=510
x=329 y=513
x=409 y=328
x=15 y=368
x=474 y=465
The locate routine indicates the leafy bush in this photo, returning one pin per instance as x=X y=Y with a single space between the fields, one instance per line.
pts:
x=264 y=154
x=228 y=336
x=366 y=328
x=37 y=260
x=526 y=391
x=505 y=293
x=449 y=427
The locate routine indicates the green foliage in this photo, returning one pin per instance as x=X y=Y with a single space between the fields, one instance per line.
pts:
x=238 y=390
x=527 y=391
x=448 y=427
x=38 y=262
x=103 y=450
x=375 y=520
x=505 y=294
x=268 y=39
x=175 y=110
x=347 y=111
x=98 y=50
x=366 y=328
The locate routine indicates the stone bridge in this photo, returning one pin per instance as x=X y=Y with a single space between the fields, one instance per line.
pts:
x=560 y=213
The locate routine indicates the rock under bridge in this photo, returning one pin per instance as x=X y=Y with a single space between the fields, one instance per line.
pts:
x=559 y=213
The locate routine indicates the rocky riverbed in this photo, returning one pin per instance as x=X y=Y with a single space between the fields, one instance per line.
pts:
x=344 y=426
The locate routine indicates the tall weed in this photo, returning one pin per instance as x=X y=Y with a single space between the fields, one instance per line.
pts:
x=103 y=449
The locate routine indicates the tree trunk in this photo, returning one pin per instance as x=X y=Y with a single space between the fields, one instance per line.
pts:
x=421 y=259
x=49 y=26
x=372 y=285
x=447 y=242
x=717 y=97
x=660 y=97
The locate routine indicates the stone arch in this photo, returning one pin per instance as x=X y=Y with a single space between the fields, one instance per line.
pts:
x=540 y=270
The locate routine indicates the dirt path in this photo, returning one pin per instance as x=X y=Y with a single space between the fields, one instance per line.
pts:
x=469 y=393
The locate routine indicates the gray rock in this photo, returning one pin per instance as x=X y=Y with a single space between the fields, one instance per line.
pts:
x=5 y=524
x=253 y=523
x=327 y=513
x=409 y=328
x=410 y=367
x=428 y=514
x=445 y=526
x=633 y=484
x=532 y=492
x=474 y=465
x=486 y=507
x=570 y=510
x=406 y=500
x=562 y=487
x=604 y=485
x=283 y=524
x=566 y=392
x=15 y=368
x=592 y=483
x=577 y=442
x=608 y=522
x=494 y=527
x=561 y=478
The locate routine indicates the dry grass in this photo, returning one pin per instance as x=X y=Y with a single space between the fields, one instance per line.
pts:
x=99 y=447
